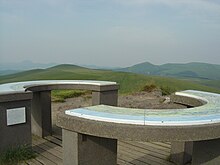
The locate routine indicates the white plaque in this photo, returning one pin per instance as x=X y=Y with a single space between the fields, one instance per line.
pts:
x=16 y=116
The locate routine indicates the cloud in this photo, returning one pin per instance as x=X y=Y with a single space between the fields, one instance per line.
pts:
x=198 y=3
x=10 y=18
x=205 y=11
x=211 y=6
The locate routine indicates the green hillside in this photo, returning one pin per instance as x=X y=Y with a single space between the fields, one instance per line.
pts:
x=129 y=82
x=189 y=70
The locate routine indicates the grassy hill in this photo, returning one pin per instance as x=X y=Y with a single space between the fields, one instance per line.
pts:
x=129 y=82
x=189 y=70
x=6 y=72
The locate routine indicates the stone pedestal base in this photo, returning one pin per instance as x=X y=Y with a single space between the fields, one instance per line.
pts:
x=105 y=97
x=80 y=149
x=206 y=152
x=181 y=152
x=19 y=134
x=41 y=114
x=41 y=109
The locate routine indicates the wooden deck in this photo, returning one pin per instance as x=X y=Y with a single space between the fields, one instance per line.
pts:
x=49 y=152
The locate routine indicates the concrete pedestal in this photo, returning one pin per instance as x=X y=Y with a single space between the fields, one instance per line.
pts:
x=41 y=114
x=80 y=149
x=12 y=136
x=41 y=109
x=206 y=152
x=105 y=97
x=181 y=152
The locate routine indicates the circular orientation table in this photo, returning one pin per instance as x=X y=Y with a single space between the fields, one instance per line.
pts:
x=198 y=126
x=153 y=124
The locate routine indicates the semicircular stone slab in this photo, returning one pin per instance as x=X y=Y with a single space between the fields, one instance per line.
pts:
x=197 y=123
x=194 y=133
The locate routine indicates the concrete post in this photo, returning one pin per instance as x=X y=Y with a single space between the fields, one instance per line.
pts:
x=181 y=152
x=105 y=97
x=41 y=108
x=41 y=113
x=80 y=149
x=206 y=152
x=15 y=135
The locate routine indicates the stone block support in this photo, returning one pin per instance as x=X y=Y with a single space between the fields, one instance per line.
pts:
x=206 y=152
x=17 y=134
x=41 y=108
x=105 y=97
x=80 y=149
x=181 y=152
x=41 y=113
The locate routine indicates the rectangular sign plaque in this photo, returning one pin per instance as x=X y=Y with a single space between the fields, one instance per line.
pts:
x=16 y=116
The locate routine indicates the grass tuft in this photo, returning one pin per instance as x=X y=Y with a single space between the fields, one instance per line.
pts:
x=61 y=95
x=167 y=90
x=150 y=87
x=14 y=156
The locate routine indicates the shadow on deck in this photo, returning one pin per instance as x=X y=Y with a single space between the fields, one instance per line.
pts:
x=49 y=152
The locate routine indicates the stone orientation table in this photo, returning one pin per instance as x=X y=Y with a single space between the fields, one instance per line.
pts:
x=90 y=134
x=26 y=106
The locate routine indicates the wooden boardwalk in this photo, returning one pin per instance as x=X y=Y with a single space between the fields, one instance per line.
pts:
x=49 y=152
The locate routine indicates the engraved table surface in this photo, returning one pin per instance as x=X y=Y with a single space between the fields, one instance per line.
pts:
x=206 y=114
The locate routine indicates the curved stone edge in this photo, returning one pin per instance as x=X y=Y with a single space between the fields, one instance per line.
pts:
x=25 y=88
x=138 y=132
x=146 y=132
x=22 y=86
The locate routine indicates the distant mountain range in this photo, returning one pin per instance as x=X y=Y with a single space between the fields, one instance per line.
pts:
x=10 y=68
x=188 y=70
x=129 y=82
x=201 y=71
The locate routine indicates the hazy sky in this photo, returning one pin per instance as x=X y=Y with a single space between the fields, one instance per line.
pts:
x=110 y=32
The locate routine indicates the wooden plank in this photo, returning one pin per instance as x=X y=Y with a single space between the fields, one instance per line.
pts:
x=57 y=136
x=145 y=157
x=46 y=158
x=134 y=156
x=150 y=147
x=54 y=140
x=49 y=144
x=154 y=146
x=162 y=144
x=144 y=150
x=33 y=162
x=43 y=160
x=131 y=160
x=123 y=162
x=48 y=149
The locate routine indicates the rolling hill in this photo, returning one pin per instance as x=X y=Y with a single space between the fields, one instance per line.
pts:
x=6 y=72
x=189 y=70
x=129 y=82
x=24 y=65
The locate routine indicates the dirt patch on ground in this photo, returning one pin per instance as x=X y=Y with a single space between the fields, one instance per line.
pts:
x=143 y=100
x=148 y=100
